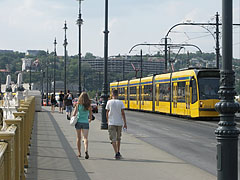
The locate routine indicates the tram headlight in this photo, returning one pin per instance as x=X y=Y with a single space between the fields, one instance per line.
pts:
x=201 y=104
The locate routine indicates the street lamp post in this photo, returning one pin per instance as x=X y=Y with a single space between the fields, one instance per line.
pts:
x=123 y=68
x=227 y=132
x=79 y=22
x=54 y=67
x=65 y=57
x=217 y=41
x=42 y=76
x=104 y=124
x=47 y=80
x=30 y=75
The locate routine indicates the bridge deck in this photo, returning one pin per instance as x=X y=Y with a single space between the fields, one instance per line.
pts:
x=53 y=155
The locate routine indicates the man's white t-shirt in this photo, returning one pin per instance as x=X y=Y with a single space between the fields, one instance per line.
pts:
x=115 y=107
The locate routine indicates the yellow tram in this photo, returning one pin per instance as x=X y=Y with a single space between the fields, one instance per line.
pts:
x=192 y=93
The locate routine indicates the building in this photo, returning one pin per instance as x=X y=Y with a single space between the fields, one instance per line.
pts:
x=152 y=65
x=5 y=51
x=26 y=63
x=34 y=52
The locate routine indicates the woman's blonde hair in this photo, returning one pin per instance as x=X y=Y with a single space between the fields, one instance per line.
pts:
x=84 y=100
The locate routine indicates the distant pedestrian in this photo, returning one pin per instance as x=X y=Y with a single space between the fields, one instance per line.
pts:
x=61 y=97
x=84 y=112
x=68 y=104
x=116 y=120
x=53 y=103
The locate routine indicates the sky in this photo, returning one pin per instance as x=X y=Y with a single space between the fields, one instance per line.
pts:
x=34 y=24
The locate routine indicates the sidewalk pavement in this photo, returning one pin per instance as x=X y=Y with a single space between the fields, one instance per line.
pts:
x=53 y=155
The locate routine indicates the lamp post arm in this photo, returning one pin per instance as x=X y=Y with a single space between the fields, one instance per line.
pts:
x=162 y=44
x=189 y=24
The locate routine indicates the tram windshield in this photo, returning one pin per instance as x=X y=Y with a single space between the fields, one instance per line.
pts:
x=208 y=88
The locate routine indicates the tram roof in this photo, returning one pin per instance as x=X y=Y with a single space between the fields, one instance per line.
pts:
x=147 y=79
x=123 y=82
x=113 y=84
x=133 y=81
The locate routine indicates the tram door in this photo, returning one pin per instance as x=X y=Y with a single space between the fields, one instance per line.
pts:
x=187 y=98
x=175 y=97
x=139 y=97
x=126 y=97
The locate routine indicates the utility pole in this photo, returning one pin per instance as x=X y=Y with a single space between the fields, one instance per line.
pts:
x=227 y=133
x=141 y=63
x=165 y=53
x=123 y=68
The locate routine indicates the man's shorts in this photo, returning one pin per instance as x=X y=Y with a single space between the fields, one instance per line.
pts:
x=68 y=108
x=79 y=125
x=60 y=104
x=115 y=133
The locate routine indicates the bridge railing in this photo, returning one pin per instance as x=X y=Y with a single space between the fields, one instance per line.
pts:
x=15 y=141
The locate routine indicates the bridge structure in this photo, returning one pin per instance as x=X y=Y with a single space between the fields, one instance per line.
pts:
x=50 y=152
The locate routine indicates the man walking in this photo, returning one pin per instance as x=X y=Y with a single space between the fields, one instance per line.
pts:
x=68 y=104
x=116 y=120
x=61 y=97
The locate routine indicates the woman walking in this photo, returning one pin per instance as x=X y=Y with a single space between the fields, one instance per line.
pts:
x=84 y=112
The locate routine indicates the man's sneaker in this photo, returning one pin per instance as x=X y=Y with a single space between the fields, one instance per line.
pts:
x=86 y=155
x=118 y=156
x=68 y=117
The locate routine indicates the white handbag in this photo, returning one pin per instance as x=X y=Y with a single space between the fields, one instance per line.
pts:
x=73 y=120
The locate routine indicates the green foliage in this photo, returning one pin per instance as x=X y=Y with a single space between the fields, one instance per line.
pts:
x=92 y=81
x=89 y=55
x=10 y=61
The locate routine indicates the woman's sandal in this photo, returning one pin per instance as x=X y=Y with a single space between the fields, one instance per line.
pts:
x=79 y=155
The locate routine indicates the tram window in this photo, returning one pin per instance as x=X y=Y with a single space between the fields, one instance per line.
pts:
x=157 y=94
x=208 y=88
x=133 y=93
x=164 y=94
x=133 y=90
x=121 y=95
x=181 y=91
x=140 y=93
x=194 y=91
x=148 y=93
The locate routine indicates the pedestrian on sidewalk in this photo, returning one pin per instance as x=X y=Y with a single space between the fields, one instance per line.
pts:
x=83 y=110
x=61 y=97
x=53 y=103
x=68 y=104
x=116 y=120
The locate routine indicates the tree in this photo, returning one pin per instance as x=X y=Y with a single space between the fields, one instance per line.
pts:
x=89 y=55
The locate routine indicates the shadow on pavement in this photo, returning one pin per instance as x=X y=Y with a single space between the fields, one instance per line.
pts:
x=76 y=165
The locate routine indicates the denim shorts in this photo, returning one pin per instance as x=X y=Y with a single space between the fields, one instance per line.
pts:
x=79 y=125
x=69 y=109
x=60 y=104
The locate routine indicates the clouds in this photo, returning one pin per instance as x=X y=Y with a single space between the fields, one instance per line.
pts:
x=33 y=24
